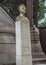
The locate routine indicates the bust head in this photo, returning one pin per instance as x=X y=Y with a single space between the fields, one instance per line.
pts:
x=22 y=11
x=22 y=8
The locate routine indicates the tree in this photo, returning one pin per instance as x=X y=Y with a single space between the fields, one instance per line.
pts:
x=41 y=13
x=41 y=9
x=11 y=6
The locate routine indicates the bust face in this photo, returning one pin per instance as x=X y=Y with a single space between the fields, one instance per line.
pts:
x=22 y=8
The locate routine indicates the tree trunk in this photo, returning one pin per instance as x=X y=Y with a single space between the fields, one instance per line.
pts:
x=30 y=11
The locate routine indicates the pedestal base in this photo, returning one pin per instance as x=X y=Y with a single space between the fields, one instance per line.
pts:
x=23 y=44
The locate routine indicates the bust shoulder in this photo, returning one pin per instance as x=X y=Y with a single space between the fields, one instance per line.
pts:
x=27 y=19
x=22 y=18
x=17 y=18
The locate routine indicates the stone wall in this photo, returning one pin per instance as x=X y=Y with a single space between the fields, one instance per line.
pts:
x=6 y=27
x=7 y=53
x=7 y=38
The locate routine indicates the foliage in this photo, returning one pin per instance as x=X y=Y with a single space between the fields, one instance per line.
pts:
x=42 y=24
x=12 y=6
x=41 y=9
x=41 y=13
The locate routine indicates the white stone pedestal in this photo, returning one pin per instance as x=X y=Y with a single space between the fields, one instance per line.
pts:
x=23 y=44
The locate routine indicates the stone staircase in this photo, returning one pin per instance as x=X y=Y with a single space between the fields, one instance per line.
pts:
x=37 y=53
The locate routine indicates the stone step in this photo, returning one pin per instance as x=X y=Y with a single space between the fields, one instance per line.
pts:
x=39 y=61
x=37 y=51
x=40 y=64
x=36 y=48
x=38 y=55
x=8 y=64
